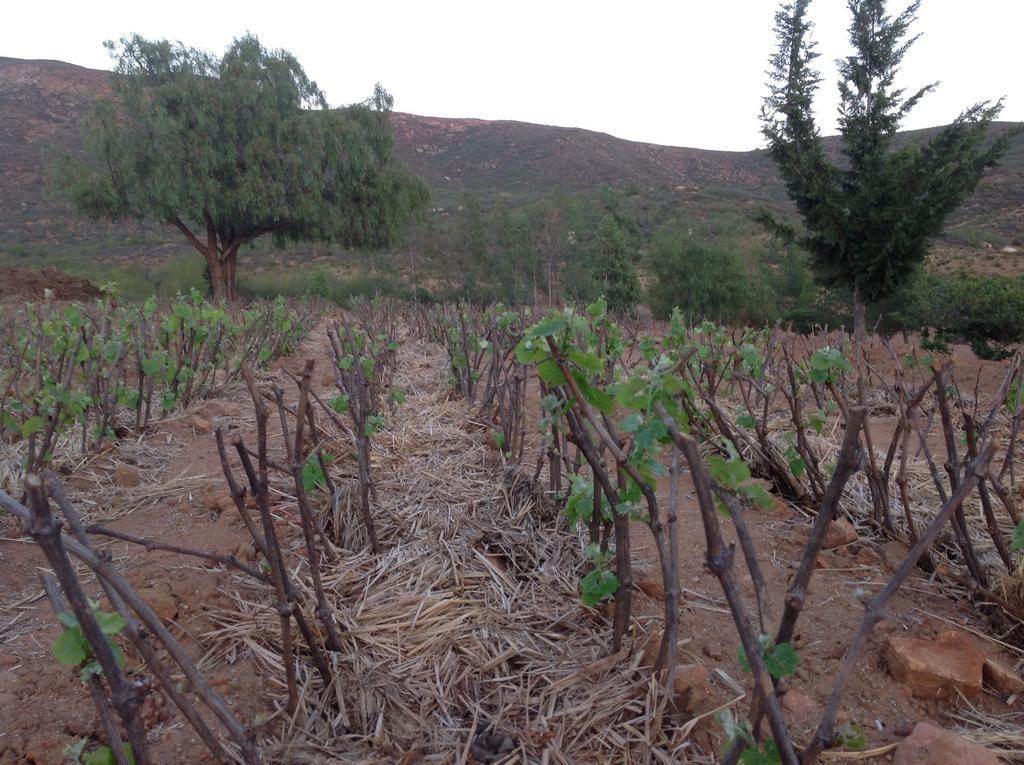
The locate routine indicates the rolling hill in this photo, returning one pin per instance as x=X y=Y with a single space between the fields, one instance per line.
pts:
x=42 y=103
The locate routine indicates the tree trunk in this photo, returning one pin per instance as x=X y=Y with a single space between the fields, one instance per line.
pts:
x=230 y=270
x=218 y=278
x=859 y=320
x=222 y=272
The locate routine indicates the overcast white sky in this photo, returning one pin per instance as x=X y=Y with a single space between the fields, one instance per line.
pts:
x=685 y=73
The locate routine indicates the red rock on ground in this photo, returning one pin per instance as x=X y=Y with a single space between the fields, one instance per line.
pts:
x=937 y=669
x=650 y=584
x=838 y=534
x=1002 y=678
x=893 y=553
x=126 y=476
x=689 y=687
x=799 y=705
x=160 y=599
x=929 y=745
x=200 y=424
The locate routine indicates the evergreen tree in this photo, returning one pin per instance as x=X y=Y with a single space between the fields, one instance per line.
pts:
x=868 y=220
x=613 y=267
x=228 y=149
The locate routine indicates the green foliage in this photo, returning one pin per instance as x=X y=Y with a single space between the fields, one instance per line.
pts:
x=613 y=267
x=235 y=147
x=985 y=311
x=868 y=221
x=600 y=584
x=734 y=475
x=850 y=736
x=768 y=755
x=827 y=365
x=312 y=474
x=72 y=648
x=752 y=754
x=780 y=660
x=82 y=364
x=703 y=280
x=100 y=756
x=579 y=506
x=320 y=282
x=1018 y=537
x=318 y=285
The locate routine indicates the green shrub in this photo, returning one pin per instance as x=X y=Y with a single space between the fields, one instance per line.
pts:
x=318 y=286
x=704 y=280
x=985 y=311
x=320 y=282
x=975 y=237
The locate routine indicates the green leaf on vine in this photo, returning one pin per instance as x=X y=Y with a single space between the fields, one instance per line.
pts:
x=552 y=325
x=598 y=585
x=1018 y=537
x=550 y=372
x=70 y=647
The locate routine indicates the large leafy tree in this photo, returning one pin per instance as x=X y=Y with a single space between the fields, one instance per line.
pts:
x=868 y=219
x=231 y=148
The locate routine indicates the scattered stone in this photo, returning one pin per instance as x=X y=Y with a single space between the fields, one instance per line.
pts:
x=712 y=649
x=210 y=495
x=126 y=476
x=779 y=508
x=154 y=710
x=893 y=553
x=650 y=585
x=245 y=552
x=1001 y=678
x=161 y=601
x=46 y=746
x=217 y=499
x=650 y=649
x=937 y=669
x=839 y=533
x=799 y=705
x=200 y=424
x=931 y=745
x=866 y=556
x=689 y=687
x=492 y=746
x=199 y=587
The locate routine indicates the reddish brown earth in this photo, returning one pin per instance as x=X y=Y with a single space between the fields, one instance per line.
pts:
x=43 y=706
x=30 y=284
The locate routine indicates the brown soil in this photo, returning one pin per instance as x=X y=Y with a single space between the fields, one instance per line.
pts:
x=43 y=707
x=27 y=284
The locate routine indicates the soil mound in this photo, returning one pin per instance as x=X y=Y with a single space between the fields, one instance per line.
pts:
x=30 y=283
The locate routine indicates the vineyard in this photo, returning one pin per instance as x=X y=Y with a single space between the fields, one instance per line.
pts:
x=407 y=533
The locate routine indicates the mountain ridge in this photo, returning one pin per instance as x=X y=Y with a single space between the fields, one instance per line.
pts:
x=43 y=101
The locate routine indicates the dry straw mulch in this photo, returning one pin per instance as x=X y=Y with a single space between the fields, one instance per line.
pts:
x=466 y=640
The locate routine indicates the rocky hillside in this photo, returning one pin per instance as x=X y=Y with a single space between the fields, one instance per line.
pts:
x=42 y=103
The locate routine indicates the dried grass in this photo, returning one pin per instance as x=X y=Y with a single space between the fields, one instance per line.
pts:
x=1003 y=734
x=469 y=622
